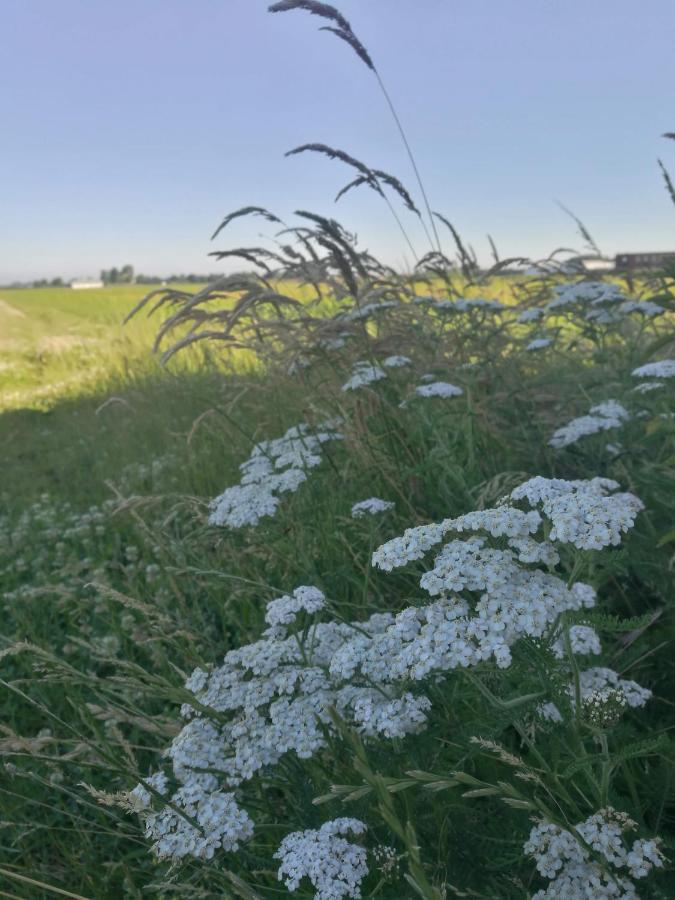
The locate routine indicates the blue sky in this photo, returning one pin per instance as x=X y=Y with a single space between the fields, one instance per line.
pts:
x=129 y=128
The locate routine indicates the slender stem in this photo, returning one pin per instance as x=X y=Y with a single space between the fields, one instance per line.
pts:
x=401 y=226
x=412 y=162
x=606 y=769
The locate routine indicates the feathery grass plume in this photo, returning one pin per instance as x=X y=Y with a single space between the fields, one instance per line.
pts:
x=250 y=254
x=325 y=11
x=493 y=248
x=357 y=182
x=345 y=32
x=332 y=230
x=368 y=176
x=245 y=211
x=583 y=231
x=400 y=189
x=666 y=177
x=334 y=153
x=468 y=264
x=166 y=295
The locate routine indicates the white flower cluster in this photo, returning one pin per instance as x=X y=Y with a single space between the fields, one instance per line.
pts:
x=585 y=293
x=531 y=315
x=610 y=414
x=646 y=386
x=275 y=696
x=269 y=698
x=483 y=304
x=539 y=344
x=396 y=362
x=334 y=343
x=643 y=307
x=467 y=305
x=142 y=796
x=582 y=513
x=363 y=374
x=599 y=684
x=284 y=610
x=560 y=856
x=664 y=368
x=601 y=680
x=358 y=313
x=371 y=507
x=335 y=866
x=199 y=823
x=438 y=389
x=583 y=641
x=598 y=300
x=274 y=467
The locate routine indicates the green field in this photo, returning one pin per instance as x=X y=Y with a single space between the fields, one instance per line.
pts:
x=58 y=342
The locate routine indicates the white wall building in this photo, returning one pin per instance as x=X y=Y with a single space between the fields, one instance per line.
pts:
x=79 y=284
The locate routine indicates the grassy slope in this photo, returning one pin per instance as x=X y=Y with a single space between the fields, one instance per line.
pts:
x=435 y=460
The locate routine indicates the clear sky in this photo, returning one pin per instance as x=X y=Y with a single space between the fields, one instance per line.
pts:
x=129 y=128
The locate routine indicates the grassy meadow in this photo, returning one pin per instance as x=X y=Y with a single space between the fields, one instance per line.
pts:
x=117 y=585
x=358 y=585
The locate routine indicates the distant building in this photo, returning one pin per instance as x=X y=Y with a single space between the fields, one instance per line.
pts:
x=632 y=262
x=85 y=283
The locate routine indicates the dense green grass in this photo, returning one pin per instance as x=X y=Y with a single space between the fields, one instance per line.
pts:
x=57 y=343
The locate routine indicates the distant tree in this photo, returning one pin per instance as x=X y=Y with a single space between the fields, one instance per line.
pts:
x=57 y=282
x=125 y=275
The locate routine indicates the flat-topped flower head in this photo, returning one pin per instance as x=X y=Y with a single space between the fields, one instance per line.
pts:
x=646 y=386
x=560 y=855
x=531 y=315
x=371 y=507
x=539 y=344
x=363 y=374
x=334 y=865
x=664 y=368
x=583 y=293
x=359 y=313
x=222 y=825
x=438 y=389
x=284 y=610
x=643 y=307
x=606 y=415
x=274 y=467
x=582 y=513
x=396 y=362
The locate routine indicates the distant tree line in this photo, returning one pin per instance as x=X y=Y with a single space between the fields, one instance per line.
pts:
x=43 y=282
x=125 y=275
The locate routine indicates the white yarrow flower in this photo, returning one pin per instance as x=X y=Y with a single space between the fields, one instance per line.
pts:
x=664 y=368
x=363 y=374
x=395 y=362
x=539 y=344
x=610 y=414
x=371 y=507
x=438 y=389
x=334 y=866
x=274 y=467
